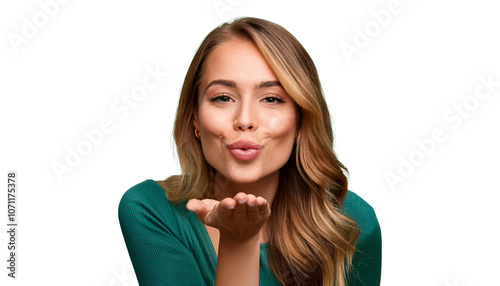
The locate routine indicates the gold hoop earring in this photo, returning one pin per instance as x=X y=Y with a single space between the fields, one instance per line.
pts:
x=197 y=134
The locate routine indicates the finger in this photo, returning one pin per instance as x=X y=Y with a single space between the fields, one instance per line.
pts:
x=252 y=208
x=264 y=208
x=251 y=200
x=194 y=205
x=225 y=208
x=200 y=208
x=240 y=210
x=259 y=201
x=241 y=198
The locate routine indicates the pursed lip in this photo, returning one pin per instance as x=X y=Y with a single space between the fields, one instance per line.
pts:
x=245 y=150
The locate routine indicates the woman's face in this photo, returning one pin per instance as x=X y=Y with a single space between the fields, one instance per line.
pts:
x=247 y=121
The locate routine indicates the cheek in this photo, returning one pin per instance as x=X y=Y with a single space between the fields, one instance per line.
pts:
x=212 y=123
x=212 y=128
x=282 y=124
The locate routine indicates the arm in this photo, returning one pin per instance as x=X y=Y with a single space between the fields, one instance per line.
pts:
x=158 y=257
x=239 y=221
x=238 y=261
x=367 y=260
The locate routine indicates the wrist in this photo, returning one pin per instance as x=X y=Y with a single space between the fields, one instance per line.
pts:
x=231 y=240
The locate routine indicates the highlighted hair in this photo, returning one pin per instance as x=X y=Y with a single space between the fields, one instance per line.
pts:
x=311 y=242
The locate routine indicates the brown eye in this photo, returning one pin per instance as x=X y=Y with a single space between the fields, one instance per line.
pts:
x=272 y=100
x=221 y=98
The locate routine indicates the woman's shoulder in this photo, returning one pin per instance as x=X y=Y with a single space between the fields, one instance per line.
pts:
x=356 y=207
x=363 y=214
x=148 y=199
x=367 y=260
x=147 y=191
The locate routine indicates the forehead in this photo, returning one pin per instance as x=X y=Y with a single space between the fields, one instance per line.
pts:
x=237 y=60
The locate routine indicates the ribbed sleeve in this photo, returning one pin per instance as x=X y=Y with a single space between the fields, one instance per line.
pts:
x=367 y=260
x=152 y=234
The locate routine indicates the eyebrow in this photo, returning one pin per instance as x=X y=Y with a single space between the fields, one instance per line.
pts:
x=230 y=83
x=270 y=84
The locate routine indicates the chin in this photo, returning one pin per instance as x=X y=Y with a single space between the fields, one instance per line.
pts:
x=244 y=178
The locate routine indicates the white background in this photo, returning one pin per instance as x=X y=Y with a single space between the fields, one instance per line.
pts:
x=439 y=223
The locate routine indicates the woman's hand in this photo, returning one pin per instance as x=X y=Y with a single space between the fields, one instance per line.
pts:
x=240 y=218
x=239 y=221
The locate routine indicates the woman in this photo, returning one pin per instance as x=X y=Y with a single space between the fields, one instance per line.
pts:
x=262 y=198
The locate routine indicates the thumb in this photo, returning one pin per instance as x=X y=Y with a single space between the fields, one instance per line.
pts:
x=200 y=208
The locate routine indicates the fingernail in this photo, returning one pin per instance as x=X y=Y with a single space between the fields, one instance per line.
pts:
x=242 y=201
x=230 y=207
x=251 y=205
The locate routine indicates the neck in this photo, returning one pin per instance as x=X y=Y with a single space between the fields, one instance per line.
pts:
x=265 y=187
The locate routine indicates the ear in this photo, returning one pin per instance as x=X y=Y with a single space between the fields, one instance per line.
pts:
x=196 y=120
x=299 y=121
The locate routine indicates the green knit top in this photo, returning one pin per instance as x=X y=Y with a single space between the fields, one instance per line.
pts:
x=169 y=245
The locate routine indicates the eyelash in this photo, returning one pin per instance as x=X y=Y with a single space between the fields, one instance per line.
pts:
x=277 y=99
x=226 y=98
x=219 y=97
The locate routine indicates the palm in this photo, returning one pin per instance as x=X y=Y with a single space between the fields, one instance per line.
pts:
x=240 y=217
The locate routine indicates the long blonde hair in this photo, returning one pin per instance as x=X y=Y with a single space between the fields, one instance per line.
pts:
x=311 y=242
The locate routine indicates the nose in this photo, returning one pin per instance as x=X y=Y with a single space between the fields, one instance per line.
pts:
x=245 y=117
